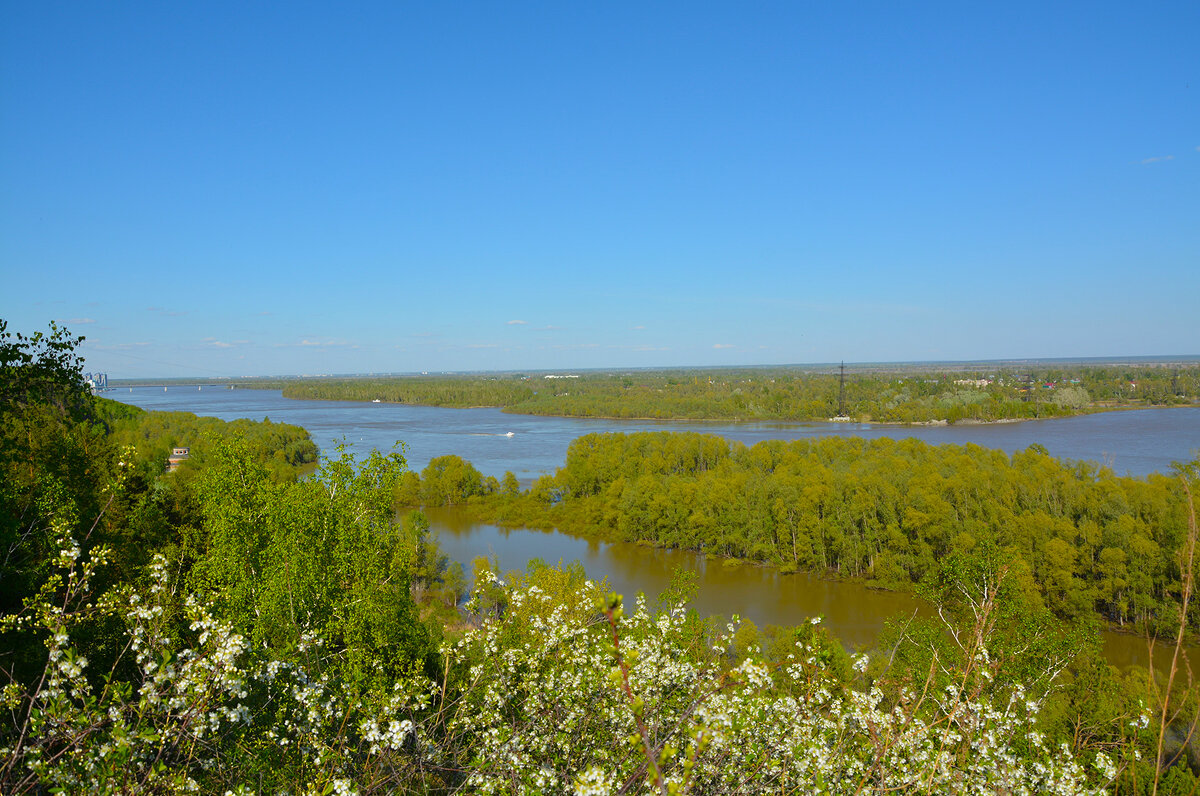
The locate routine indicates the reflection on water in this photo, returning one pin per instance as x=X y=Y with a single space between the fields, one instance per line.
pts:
x=853 y=612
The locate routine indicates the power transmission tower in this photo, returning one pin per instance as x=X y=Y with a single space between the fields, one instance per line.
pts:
x=842 y=392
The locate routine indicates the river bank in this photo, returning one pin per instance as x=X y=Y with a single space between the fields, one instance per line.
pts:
x=865 y=420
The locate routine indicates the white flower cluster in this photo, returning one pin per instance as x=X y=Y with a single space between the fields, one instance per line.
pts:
x=545 y=710
x=562 y=692
x=180 y=700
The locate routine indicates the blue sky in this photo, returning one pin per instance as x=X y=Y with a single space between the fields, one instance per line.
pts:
x=280 y=188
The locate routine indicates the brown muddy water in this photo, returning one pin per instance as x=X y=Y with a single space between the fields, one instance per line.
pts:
x=853 y=612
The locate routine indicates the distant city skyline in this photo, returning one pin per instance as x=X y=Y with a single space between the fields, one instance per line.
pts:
x=231 y=190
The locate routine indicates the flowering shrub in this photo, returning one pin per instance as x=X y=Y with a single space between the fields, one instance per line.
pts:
x=562 y=693
x=591 y=701
x=202 y=710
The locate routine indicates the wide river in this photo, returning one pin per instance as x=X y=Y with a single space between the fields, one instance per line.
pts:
x=1131 y=442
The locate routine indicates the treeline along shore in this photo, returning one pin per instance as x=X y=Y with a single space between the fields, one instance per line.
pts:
x=903 y=395
x=1086 y=543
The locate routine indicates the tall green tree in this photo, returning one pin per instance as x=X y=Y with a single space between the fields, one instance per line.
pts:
x=323 y=559
x=54 y=459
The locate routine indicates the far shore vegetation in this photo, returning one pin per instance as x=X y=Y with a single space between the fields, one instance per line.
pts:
x=881 y=394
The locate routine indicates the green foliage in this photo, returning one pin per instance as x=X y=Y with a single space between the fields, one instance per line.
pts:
x=56 y=463
x=1082 y=541
x=897 y=395
x=72 y=463
x=542 y=693
x=983 y=603
x=779 y=645
x=42 y=370
x=324 y=554
x=285 y=450
x=563 y=693
x=452 y=481
x=450 y=391
x=278 y=645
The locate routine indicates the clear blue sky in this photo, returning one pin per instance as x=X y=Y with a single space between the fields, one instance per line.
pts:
x=271 y=188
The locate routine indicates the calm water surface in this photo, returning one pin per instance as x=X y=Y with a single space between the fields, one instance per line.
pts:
x=1133 y=442
x=854 y=613
x=760 y=594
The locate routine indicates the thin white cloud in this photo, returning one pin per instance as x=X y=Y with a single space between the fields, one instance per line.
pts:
x=549 y=328
x=482 y=345
x=116 y=346
x=515 y=323
x=724 y=345
x=651 y=348
x=845 y=307
x=76 y=320
x=639 y=328
x=306 y=343
x=1159 y=159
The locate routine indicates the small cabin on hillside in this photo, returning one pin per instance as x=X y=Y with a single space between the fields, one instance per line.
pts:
x=176 y=458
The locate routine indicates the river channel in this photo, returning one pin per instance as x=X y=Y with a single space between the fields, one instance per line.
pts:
x=1131 y=442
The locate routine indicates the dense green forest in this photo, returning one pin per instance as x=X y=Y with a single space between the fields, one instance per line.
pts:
x=1087 y=541
x=285 y=449
x=914 y=395
x=248 y=624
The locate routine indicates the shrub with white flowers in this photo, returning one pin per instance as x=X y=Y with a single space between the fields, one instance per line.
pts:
x=563 y=693
x=596 y=701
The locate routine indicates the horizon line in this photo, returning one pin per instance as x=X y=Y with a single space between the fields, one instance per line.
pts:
x=1151 y=359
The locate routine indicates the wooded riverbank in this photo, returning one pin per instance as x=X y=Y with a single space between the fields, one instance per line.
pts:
x=899 y=394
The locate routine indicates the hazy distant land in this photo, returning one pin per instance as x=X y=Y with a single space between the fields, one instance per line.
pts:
x=891 y=392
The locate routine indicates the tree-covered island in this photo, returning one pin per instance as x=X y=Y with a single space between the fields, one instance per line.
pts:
x=1088 y=544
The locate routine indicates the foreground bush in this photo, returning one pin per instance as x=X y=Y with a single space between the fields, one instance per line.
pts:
x=555 y=690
